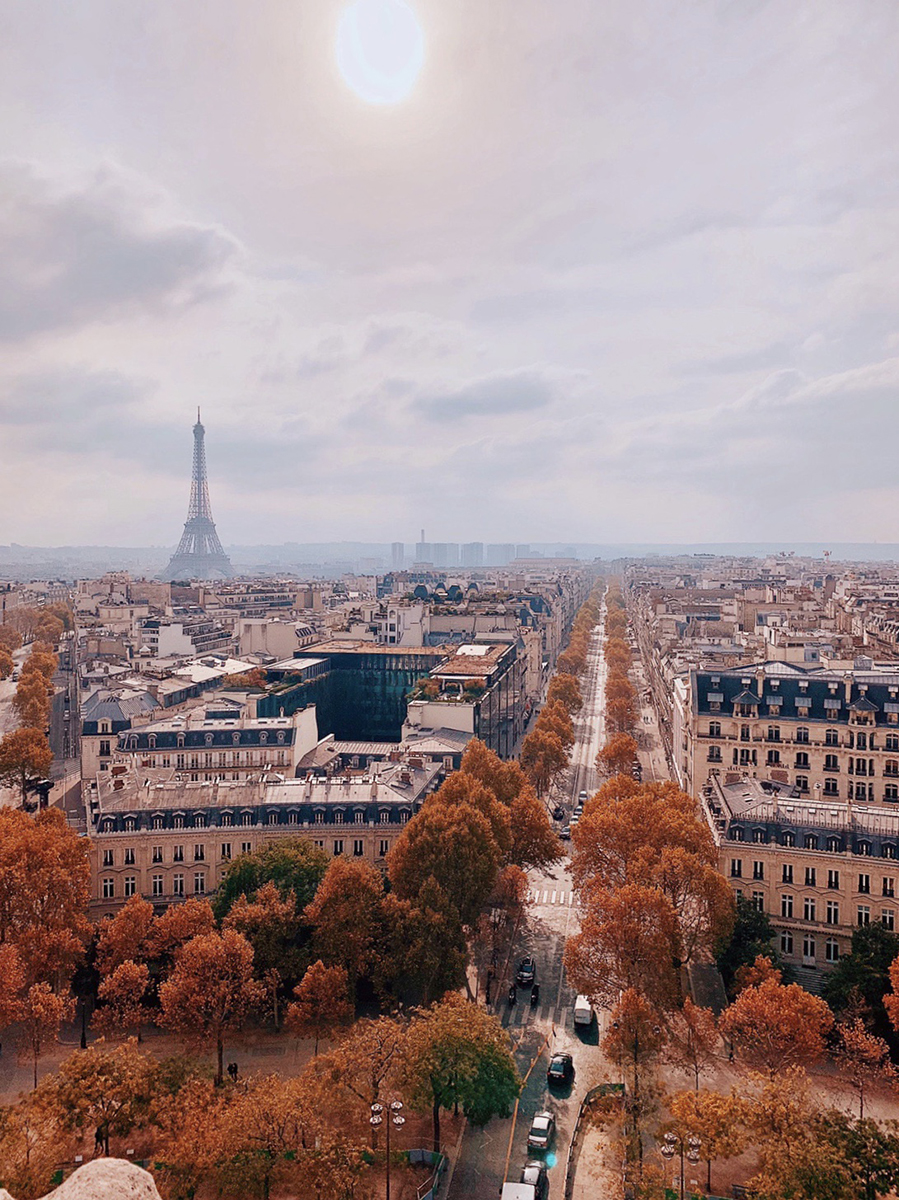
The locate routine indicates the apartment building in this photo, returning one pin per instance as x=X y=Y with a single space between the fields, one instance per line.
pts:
x=818 y=868
x=168 y=839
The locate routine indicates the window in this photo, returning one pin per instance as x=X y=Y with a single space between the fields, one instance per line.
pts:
x=889 y=885
x=832 y=950
x=758 y=901
x=384 y=816
x=319 y=817
x=200 y=883
x=108 y=857
x=130 y=885
x=863 y=913
x=246 y=818
x=801 y=760
x=273 y=818
x=833 y=879
x=773 y=733
x=891 y=767
x=104 y=749
x=199 y=853
x=811 y=877
x=810 y=841
x=383 y=847
x=831 y=787
x=809 y=909
x=744 y=733
x=108 y=888
x=759 y=836
x=178 y=885
x=787 y=873
x=758 y=870
x=246 y=847
x=786 y=905
x=156 y=885
x=864 y=884
x=802 y=783
x=789 y=838
x=129 y=857
x=831 y=763
x=736 y=868
x=130 y=824
x=888 y=917
x=891 y=791
x=157 y=854
x=177 y=822
x=715 y=729
x=358 y=848
x=864 y=849
x=833 y=912
x=319 y=845
x=832 y=737
x=861 y=741
x=834 y=844
x=714 y=754
x=737 y=834
x=178 y=854
x=226 y=850
x=158 y=821
x=892 y=742
x=802 y=734
x=808 y=951
x=773 y=758
x=338 y=846
x=786 y=942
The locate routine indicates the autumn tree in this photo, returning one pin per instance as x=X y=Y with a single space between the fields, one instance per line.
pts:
x=108 y=1090
x=25 y=757
x=127 y=936
x=271 y=925
x=456 y=1054
x=617 y=755
x=751 y=937
x=772 y=1026
x=694 y=1039
x=421 y=952
x=178 y=925
x=12 y=985
x=32 y=703
x=31 y=1145
x=7 y=665
x=534 y=841
x=463 y=788
x=628 y=939
x=505 y=780
x=123 y=994
x=863 y=1058
x=293 y=865
x=566 y=690
x=543 y=758
x=345 y=916
x=44 y=889
x=715 y=1119
x=621 y=715
x=41 y=1015
x=555 y=718
x=211 y=990
x=635 y=1037
x=452 y=844
x=366 y=1061
x=10 y=638
x=321 y=1005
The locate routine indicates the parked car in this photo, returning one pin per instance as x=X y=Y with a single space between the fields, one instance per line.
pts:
x=534 y=1173
x=560 y=1070
x=565 y=833
x=543 y=1128
x=526 y=976
x=583 y=1011
x=582 y=799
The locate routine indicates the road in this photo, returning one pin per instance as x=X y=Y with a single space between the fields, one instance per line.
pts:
x=488 y=1156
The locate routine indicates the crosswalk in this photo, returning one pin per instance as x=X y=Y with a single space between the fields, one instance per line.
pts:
x=549 y=896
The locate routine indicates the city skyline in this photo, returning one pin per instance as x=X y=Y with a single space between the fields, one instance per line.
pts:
x=614 y=280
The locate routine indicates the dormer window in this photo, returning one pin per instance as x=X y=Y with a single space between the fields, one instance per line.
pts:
x=199 y=821
x=263 y=738
x=280 y=737
x=209 y=739
x=151 y=741
x=180 y=742
x=235 y=738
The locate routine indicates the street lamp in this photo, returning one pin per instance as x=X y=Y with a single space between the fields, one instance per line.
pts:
x=392 y=1116
x=690 y=1145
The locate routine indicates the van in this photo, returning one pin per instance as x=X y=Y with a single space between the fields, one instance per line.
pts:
x=583 y=1011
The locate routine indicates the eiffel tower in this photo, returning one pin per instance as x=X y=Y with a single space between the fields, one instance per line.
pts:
x=199 y=554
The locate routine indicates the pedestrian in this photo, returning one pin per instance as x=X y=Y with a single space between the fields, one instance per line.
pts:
x=98 y=1142
x=232 y=1071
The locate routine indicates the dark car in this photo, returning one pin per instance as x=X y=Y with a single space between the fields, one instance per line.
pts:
x=534 y=1173
x=558 y=813
x=527 y=973
x=560 y=1070
x=565 y=833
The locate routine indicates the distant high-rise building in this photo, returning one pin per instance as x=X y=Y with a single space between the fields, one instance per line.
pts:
x=522 y=552
x=446 y=554
x=199 y=554
x=473 y=554
x=500 y=555
x=397 y=555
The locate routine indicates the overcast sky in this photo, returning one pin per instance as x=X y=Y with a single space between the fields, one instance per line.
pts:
x=612 y=271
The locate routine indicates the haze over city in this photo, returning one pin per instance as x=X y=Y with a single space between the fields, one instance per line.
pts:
x=618 y=274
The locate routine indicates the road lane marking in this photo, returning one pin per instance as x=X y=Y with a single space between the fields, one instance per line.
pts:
x=553 y=900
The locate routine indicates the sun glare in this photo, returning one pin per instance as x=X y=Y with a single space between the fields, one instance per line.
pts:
x=380 y=49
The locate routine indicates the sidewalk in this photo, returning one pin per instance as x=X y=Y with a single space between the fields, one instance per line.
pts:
x=598 y=1173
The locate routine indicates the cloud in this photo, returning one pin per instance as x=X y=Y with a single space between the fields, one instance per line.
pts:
x=499 y=394
x=96 y=250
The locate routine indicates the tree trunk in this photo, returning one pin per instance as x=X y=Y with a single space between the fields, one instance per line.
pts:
x=436 y=1115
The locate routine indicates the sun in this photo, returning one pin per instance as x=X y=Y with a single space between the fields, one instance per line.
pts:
x=380 y=49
